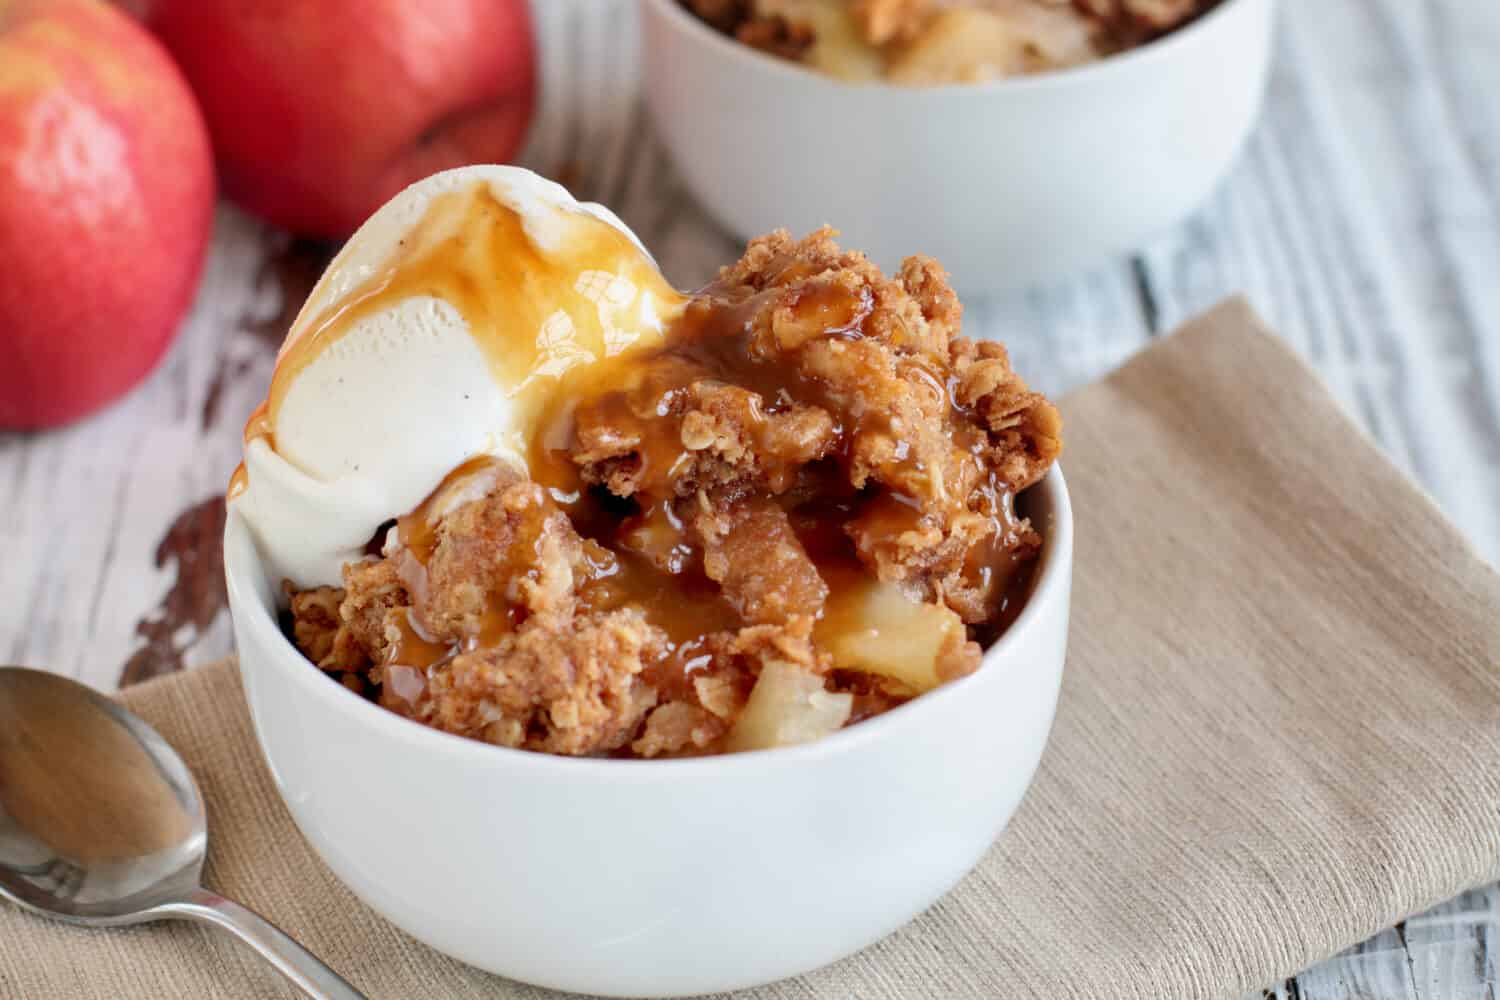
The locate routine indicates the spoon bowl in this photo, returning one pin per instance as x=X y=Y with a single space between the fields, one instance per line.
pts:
x=102 y=824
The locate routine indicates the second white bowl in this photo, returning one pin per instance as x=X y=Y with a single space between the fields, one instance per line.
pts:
x=1006 y=183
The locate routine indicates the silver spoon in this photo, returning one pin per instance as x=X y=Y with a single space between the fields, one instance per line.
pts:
x=101 y=824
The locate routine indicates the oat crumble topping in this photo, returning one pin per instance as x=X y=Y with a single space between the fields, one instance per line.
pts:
x=797 y=513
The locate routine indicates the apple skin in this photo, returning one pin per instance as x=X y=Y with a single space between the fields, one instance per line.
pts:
x=106 y=207
x=321 y=111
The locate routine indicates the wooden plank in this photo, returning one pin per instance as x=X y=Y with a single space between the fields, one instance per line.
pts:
x=1379 y=967
x=1443 y=954
x=1453 y=947
x=111 y=531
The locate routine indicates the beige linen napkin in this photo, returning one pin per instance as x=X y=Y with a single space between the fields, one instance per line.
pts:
x=1279 y=732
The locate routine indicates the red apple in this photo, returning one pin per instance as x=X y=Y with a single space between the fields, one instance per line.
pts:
x=106 y=205
x=321 y=111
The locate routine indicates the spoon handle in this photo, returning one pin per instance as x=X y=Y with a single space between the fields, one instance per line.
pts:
x=301 y=966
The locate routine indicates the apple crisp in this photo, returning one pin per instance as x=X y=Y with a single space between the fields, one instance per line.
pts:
x=797 y=512
x=928 y=42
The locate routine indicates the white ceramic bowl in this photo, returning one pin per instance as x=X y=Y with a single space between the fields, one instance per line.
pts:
x=1006 y=183
x=657 y=878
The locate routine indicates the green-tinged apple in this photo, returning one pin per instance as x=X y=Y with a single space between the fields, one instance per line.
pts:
x=321 y=111
x=106 y=206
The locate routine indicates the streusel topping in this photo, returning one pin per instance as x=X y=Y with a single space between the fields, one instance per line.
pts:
x=796 y=511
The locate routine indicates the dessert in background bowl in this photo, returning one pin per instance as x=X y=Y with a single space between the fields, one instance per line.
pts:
x=629 y=521
x=928 y=42
x=1008 y=180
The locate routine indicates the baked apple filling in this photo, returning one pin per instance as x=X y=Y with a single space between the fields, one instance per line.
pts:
x=934 y=42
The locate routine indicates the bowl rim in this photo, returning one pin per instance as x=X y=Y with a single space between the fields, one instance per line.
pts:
x=243 y=562
x=1156 y=49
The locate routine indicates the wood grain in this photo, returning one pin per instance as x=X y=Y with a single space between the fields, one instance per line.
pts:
x=1364 y=221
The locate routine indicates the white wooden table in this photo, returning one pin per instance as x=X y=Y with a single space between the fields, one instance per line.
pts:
x=1364 y=222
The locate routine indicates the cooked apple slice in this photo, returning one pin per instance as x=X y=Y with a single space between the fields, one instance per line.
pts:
x=837 y=49
x=876 y=628
x=787 y=705
x=970 y=45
